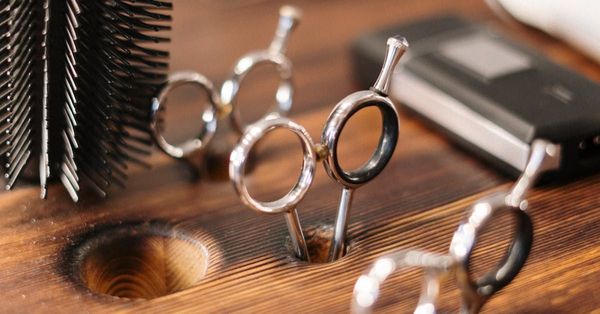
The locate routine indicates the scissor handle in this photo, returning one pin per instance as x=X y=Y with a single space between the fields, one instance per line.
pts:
x=477 y=292
x=209 y=116
x=345 y=109
x=342 y=113
x=368 y=286
x=239 y=157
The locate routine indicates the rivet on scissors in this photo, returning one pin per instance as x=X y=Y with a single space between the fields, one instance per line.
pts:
x=321 y=151
x=223 y=109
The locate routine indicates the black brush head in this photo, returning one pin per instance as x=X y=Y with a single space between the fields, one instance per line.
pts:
x=76 y=77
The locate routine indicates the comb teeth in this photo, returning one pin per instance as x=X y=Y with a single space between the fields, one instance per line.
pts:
x=19 y=68
x=76 y=77
x=4 y=75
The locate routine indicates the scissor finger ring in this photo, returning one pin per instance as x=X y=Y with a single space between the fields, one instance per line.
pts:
x=209 y=116
x=387 y=142
x=239 y=156
x=289 y=17
x=285 y=90
x=287 y=204
x=477 y=292
x=543 y=156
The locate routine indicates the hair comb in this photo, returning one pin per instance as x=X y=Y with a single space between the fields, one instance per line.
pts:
x=75 y=80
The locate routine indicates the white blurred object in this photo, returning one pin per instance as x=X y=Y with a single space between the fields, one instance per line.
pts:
x=574 y=21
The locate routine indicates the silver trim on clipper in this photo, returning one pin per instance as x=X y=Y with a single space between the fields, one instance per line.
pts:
x=449 y=113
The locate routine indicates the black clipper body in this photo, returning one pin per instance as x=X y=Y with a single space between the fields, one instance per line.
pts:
x=491 y=95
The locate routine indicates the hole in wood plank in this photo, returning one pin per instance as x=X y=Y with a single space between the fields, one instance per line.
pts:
x=318 y=240
x=144 y=261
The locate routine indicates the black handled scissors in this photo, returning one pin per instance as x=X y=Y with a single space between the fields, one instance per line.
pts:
x=543 y=156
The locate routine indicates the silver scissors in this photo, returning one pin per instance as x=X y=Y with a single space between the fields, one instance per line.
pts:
x=224 y=102
x=326 y=150
x=475 y=293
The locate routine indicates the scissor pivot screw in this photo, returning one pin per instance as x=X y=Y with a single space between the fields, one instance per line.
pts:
x=321 y=151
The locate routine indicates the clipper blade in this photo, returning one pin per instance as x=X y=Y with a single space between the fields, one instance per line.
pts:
x=75 y=79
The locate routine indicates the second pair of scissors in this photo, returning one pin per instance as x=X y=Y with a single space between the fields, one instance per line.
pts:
x=326 y=150
x=223 y=103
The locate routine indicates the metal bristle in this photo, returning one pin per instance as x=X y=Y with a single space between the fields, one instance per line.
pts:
x=20 y=34
x=5 y=89
x=75 y=80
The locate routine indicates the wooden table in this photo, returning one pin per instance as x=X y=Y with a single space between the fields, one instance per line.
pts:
x=237 y=260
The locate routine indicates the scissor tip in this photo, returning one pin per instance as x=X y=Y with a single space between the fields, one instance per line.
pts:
x=398 y=42
x=290 y=11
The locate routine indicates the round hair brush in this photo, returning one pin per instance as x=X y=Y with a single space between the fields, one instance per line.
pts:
x=76 y=77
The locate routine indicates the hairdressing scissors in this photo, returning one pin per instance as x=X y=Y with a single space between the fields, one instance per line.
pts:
x=326 y=151
x=543 y=156
x=224 y=102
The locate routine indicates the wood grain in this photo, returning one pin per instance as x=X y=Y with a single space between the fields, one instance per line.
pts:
x=417 y=202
